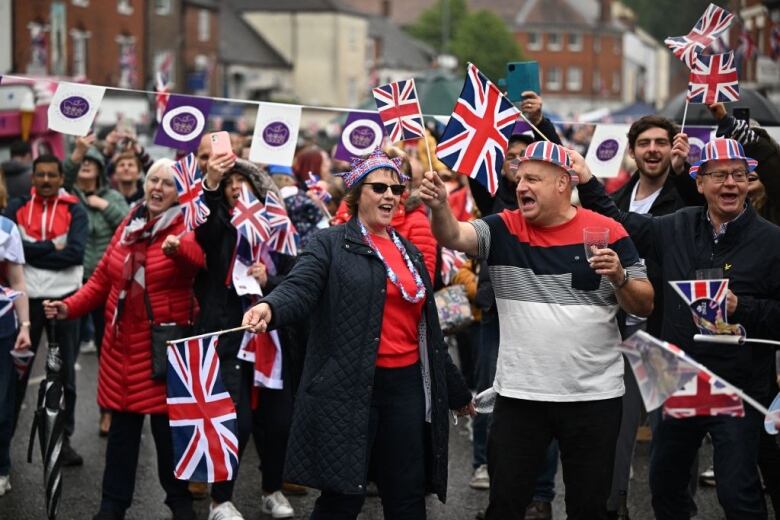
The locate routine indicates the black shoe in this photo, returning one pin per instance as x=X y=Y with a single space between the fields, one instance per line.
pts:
x=69 y=456
x=108 y=515
x=537 y=510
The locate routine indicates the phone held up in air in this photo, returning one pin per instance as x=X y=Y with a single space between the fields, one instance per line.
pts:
x=220 y=143
x=522 y=76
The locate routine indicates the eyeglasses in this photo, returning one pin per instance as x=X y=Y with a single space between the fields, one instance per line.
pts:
x=719 y=177
x=380 y=188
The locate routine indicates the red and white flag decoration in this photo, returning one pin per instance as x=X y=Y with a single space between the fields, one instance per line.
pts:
x=265 y=352
x=250 y=220
x=713 y=79
x=189 y=186
x=710 y=26
x=703 y=395
x=400 y=110
x=284 y=237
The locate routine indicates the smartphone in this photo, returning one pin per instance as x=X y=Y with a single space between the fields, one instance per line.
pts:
x=742 y=113
x=522 y=76
x=220 y=143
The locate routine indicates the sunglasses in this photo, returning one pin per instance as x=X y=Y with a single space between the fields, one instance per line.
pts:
x=380 y=188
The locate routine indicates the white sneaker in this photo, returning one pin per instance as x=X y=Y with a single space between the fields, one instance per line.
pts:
x=87 y=347
x=5 y=484
x=225 y=511
x=480 y=479
x=276 y=505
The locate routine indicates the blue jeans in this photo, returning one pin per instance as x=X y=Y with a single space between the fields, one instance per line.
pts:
x=735 y=444
x=7 y=398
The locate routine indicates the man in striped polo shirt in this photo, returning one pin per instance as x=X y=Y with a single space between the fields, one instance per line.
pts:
x=559 y=372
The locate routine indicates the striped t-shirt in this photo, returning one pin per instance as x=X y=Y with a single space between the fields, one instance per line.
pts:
x=559 y=334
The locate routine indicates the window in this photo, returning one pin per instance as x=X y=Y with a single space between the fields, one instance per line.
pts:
x=596 y=43
x=81 y=3
x=616 y=81
x=575 y=42
x=79 y=52
x=124 y=7
x=554 y=41
x=596 y=82
x=204 y=25
x=534 y=41
x=127 y=61
x=616 y=47
x=162 y=7
x=553 y=78
x=574 y=79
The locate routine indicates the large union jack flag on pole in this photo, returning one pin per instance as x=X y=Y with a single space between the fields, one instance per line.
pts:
x=713 y=79
x=250 y=220
x=399 y=109
x=189 y=186
x=284 y=236
x=712 y=23
x=201 y=413
x=477 y=135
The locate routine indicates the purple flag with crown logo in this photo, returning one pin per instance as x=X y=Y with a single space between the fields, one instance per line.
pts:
x=183 y=122
x=363 y=131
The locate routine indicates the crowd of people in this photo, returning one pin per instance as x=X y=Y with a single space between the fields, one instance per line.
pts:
x=97 y=242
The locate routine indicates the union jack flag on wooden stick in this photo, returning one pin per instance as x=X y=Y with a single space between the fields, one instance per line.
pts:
x=189 y=185
x=477 y=135
x=250 y=220
x=712 y=23
x=284 y=236
x=201 y=413
x=713 y=79
x=399 y=109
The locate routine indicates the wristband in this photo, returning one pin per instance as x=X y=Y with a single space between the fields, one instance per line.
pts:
x=25 y=324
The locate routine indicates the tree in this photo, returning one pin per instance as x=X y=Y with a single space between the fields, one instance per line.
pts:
x=481 y=37
x=484 y=39
x=663 y=18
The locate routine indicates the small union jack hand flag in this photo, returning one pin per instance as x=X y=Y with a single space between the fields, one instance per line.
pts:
x=284 y=236
x=712 y=23
x=313 y=186
x=201 y=413
x=399 y=109
x=714 y=79
x=249 y=218
x=7 y=297
x=476 y=137
x=189 y=185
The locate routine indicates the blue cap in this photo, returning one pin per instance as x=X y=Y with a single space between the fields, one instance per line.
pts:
x=278 y=169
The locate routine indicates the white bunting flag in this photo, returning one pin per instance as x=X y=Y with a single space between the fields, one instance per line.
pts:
x=276 y=134
x=74 y=107
x=606 y=150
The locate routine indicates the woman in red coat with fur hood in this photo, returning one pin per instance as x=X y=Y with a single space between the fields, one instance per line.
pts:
x=139 y=260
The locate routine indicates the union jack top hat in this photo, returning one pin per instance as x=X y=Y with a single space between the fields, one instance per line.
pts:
x=551 y=153
x=722 y=149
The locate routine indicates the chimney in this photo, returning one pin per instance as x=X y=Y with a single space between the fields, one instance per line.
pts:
x=605 y=11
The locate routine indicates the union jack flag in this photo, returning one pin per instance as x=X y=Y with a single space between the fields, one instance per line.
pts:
x=312 y=185
x=712 y=23
x=707 y=300
x=7 y=297
x=22 y=361
x=250 y=220
x=713 y=79
x=704 y=395
x=201 y=413
x=284 y=236
x=476 y=137
x=189 y=185
x=265 y=352
x=399 y=109
x=657 y=367
x=451 y=261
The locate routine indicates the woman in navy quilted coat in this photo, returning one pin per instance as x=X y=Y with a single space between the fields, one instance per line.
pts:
x=377 y=381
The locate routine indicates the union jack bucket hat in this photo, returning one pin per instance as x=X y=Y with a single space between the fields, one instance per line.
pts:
x=722 y=149
x=551 y=153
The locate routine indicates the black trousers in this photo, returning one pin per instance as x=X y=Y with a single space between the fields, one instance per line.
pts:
x=517 y=448
x=67 y=336
x=124 y=441
x=396 y=448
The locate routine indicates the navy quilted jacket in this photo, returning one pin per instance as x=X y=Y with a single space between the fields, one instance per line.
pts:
x=340 y=283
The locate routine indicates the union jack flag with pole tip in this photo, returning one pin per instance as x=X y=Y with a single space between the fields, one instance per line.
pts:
x=189 y=186
x=712 y=23
x=284 y=236
x=250 y=220
x=7 y=297
x=399 y=110
x=312 y=185
x=476 y=137
x=713 y=79
x=201 y=413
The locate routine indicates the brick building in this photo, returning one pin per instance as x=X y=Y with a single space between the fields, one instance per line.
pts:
x=758 y=21
x=101 y=40
x=200 y=51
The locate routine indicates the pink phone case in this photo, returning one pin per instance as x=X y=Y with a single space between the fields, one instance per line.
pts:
x=220 y=143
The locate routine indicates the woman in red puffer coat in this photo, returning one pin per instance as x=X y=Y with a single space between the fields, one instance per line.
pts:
x=139 y=255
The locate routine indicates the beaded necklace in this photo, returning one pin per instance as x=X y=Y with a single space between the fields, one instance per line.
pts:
x=391 y=275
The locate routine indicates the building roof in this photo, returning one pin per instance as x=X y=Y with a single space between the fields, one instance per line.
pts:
x=240 y=43
x=397 y=49
x=571 y=14
x=208 y=4
x=329 y=6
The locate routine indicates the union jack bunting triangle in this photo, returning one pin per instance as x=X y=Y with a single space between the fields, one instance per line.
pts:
x=707 y=301
x=476 y=137
x=201 y=413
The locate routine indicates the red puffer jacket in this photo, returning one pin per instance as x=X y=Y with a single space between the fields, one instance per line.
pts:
x=413 y=225
x=124 y=379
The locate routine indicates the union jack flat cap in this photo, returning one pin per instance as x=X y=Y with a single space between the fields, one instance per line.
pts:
x=721 y=150
x=551 y=153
